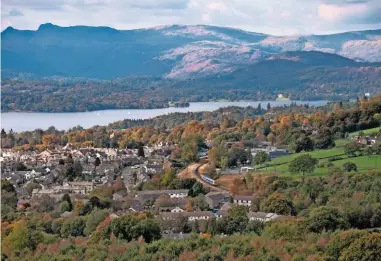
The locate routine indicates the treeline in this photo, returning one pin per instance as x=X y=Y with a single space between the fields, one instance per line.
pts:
x=263 y=82
x=329 y=218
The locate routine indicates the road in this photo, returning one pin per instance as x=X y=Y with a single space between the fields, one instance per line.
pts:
x=192 y=172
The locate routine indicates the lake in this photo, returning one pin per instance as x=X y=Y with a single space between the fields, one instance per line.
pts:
x=26 y=121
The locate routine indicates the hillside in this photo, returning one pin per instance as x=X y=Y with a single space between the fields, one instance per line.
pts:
x=298 y=75
x=174 y=51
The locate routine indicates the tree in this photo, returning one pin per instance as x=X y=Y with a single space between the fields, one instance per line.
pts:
x=78 y=205
x=365 y=248
x=188 y=206
x=377 y=117
x=77 y=168
x=325 y=218
x=324 y=139
x=351 y=149
x=190 y=146
x=276 y=203
x=255 y=226
x=44 y=204
x=350 y=166
x=261 y=157
x=8 y=194
x=199 y=202
x=31 y=186
x=141 y=152
x=341 y=241
x=19 y=166
x=7 y=186
x=119 y=184
x=196 y=189
x=95 y=217
x=304 y=143
x=20 y=238
x=168 y=177
x=236 y=221
x=97 y=162
x=67 y=198
x=70 y=174
x=303 y=164
x=64 y=206
x=129 y=227
x=73 y=227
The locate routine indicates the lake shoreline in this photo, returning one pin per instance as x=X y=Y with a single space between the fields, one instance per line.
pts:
x=166 y=107
x=27 y=121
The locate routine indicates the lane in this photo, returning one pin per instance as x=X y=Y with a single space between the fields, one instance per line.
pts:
x=192 y=172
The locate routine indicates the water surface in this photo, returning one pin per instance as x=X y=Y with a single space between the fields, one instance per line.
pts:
x=23 y=121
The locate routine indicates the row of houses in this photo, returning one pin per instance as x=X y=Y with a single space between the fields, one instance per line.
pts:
x=71 y=188
x=206 y=215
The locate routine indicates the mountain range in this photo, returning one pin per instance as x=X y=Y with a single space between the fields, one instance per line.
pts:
x=180 y=52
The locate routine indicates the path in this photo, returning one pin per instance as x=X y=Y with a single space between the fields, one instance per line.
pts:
x=192 y=172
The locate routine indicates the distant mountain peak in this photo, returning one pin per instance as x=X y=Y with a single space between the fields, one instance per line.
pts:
x=173 y=51
x=47 y=26
x=8 y=29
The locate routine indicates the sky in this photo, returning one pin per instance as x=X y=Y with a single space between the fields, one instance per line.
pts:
x=278 y=17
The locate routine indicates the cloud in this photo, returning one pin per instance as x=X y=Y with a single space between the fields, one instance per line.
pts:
x=355 y=11
x=272 y=16
x=217 y=6
x=336 y=13
x=15 y=12
x=351 y=11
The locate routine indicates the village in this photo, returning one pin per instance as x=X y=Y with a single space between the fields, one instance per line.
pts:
x=45 y=177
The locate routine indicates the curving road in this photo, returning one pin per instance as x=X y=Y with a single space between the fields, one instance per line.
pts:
x=192 y=170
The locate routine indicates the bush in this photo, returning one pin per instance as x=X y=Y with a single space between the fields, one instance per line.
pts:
x=350 y=166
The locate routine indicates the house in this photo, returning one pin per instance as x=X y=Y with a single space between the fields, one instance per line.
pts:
x=119 y=195
x=243 y=200
x=32 y=174
x=147 y=195
x=191 y=216
x=217 y=199
x=263 y=217
x=136 y=206
x=87 y=185
x=172 y=209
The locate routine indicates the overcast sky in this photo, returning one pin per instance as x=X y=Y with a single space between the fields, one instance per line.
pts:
x=280 y=17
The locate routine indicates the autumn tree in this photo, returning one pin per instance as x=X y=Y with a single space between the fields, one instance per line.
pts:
x=169 y=176
x=21 y=237
x=365 y=248
x=118 y=184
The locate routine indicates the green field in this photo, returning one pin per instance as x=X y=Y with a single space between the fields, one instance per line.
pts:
x=366 y=132
x=319 y=154
x=341 y=142
x=364 y=163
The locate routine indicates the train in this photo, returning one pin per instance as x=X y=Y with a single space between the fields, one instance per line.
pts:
x=208 y=180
